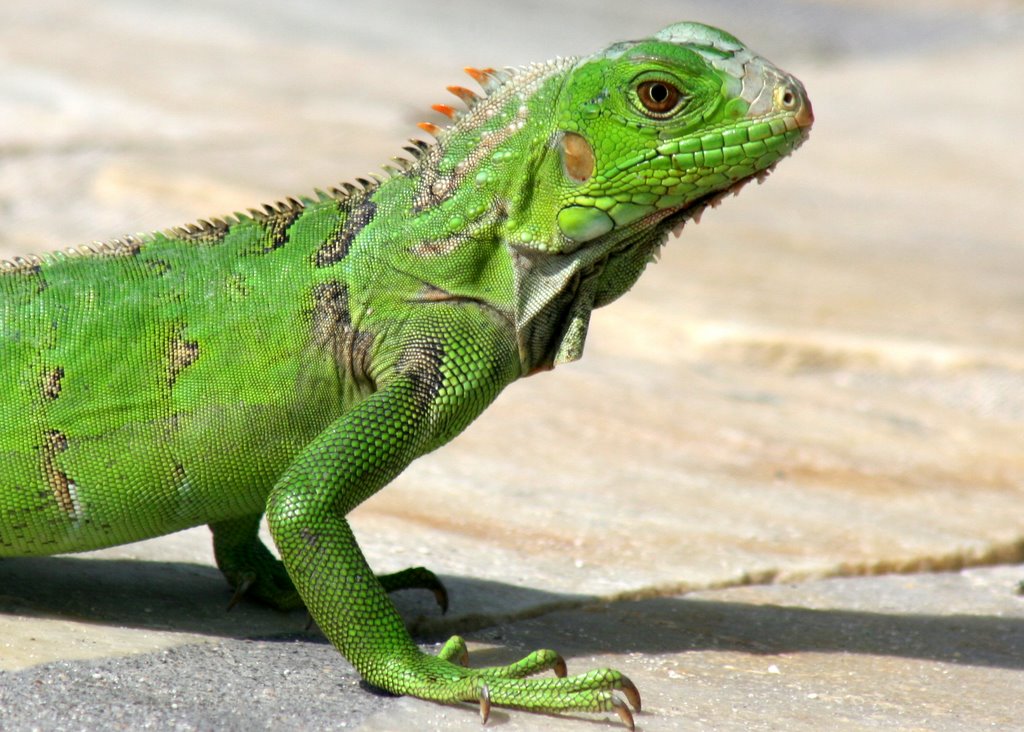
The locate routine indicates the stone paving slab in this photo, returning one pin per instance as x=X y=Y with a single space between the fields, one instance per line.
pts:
x=826 y=377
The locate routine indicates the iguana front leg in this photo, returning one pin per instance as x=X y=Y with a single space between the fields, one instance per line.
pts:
x=444 y=380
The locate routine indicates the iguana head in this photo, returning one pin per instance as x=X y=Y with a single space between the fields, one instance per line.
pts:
x=641 y=137
x=655 y=126
x=579 y=168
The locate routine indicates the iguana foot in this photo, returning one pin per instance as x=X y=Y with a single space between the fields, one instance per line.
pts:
x=268 y=584
x=444 y=678
x=416 y=578
x=249 y=567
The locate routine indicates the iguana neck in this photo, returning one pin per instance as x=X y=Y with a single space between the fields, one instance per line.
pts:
x=490 y=180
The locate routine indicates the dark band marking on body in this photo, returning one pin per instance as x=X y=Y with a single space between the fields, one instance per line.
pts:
x=181 y=354
x=51 y=383
x=277 y=225
x=62 y=487
x=338 y=245
x=333 y=331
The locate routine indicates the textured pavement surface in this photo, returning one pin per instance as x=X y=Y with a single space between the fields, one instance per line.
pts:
x=821 y=383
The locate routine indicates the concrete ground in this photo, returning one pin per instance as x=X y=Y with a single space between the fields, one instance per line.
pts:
x=784 y=489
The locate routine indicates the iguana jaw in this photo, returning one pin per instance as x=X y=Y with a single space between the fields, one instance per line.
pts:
x=577 y=299
x=675 y=221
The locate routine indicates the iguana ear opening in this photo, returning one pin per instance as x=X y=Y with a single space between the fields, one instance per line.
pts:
x=578 y=159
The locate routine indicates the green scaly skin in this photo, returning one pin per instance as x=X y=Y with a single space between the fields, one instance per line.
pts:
x=294 y=360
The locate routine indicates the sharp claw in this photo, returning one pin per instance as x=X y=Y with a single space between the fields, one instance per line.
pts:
x=464 y=659
x=485 y=704
x=631 y=692
x=240 y=591
x=624 y=715
x=559 y=668
x=441 y=597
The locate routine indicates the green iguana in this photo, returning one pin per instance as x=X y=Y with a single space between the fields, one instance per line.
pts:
x=292 y=361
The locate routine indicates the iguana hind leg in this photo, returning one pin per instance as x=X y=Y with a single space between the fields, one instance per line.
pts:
x=255 y=573
x=249 y=567
x=416 y=578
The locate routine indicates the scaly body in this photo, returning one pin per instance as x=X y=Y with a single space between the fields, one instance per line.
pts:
x=293 y=361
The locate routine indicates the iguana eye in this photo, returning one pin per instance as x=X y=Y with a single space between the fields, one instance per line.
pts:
x=659 y=98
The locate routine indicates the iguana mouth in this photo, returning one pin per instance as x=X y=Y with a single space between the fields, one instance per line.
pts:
x=676 y=220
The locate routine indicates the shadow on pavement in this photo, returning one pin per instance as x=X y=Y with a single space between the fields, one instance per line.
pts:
x=192 y=598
